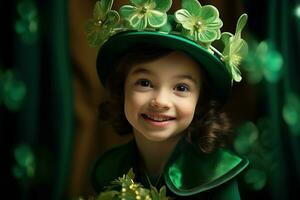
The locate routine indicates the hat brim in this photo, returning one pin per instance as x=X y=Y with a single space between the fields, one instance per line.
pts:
x=116 y=46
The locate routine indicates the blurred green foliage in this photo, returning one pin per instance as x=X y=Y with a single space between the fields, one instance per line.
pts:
x=263 y=62
x=25 y=166
x=291 y=113
x=253 y=141
x=12 y=90
x=27 y=26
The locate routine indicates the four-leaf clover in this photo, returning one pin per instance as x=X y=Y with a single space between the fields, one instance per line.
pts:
x=200 y=23
x=100 y=27
x=146 y=13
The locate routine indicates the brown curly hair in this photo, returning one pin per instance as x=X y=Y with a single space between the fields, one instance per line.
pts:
x=209 y=128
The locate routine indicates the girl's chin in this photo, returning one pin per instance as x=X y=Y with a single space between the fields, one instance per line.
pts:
x=159 y=138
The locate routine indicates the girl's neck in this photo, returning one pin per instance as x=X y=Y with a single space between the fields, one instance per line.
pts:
x=154 y=155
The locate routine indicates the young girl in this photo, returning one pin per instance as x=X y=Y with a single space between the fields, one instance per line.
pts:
x=167 y=85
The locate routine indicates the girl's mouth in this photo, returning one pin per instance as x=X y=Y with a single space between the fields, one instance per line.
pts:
x=157 y=118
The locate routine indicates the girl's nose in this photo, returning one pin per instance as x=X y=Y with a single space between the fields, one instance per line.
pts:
x=161 y=101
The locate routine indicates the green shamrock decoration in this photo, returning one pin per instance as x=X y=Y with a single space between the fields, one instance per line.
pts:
x=125 y=188
x=235 y=49
x=194 y=21
x=158 y=195
x=146 y=13
x=200 y=23
x=100 y=27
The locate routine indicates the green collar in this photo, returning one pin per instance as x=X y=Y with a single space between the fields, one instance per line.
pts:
x=187 y=172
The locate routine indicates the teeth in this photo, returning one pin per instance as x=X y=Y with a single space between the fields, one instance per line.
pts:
x=156 y=118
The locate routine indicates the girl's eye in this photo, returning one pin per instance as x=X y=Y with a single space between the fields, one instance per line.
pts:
x=182 y=88
x=143 y=83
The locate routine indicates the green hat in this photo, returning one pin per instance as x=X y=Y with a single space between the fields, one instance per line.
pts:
x=191 y=29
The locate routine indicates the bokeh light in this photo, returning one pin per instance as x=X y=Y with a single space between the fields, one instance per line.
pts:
x=247 y=134
x=253 y=141
x=255 y=178
x=297 y=11
x=27 y=25
x=25 y=162
x=263 y=61
x=12 y=90
x=291 y=113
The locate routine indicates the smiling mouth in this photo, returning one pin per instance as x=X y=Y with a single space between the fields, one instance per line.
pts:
x=157 y=118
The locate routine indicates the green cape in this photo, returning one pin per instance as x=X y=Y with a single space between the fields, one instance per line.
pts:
x=186 y=173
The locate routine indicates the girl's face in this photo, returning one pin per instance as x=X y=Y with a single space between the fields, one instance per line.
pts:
x=161 y=96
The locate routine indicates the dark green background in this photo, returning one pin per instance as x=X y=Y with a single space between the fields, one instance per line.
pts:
x=44 y=123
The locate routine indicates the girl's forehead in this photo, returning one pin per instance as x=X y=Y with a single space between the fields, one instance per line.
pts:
x=174 y=65
x=174 y=62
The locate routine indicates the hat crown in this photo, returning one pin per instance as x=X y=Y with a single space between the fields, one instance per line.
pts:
x=193 y=21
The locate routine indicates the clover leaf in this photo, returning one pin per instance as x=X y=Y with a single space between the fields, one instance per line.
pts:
x=146 y=13
x=235 y=49
x=100 y=27
x=200 y=23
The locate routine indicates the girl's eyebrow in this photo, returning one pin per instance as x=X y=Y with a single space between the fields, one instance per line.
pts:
x=180 y=76
x=141 y=70
x=186 y=76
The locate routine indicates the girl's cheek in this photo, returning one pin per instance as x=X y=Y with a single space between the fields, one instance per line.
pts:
x=136 y=99
x=141 y=100
x=188 y=112
x=187 y=108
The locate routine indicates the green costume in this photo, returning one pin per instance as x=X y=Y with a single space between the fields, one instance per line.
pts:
x=188 y=174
